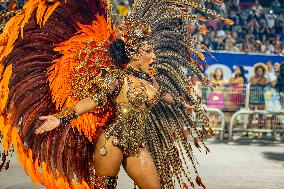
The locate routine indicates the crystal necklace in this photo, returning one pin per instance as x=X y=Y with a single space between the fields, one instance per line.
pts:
x=139 y=74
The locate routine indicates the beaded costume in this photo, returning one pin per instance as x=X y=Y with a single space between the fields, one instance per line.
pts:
x=55 y=53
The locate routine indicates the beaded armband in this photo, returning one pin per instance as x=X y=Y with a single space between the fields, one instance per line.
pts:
x=101 y=99
x=161 y=93
x=66 y=115
x=178 y=101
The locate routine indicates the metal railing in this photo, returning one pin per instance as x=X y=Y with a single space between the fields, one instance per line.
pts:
x=263 y=112
x=221 y=117
x=253 y=109
x=226 y=99
x=258 y=127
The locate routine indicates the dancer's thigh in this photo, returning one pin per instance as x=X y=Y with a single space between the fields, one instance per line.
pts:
x=108 y=165
x=142 y=170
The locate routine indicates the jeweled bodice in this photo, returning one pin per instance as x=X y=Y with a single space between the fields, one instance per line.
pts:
x=137 y=97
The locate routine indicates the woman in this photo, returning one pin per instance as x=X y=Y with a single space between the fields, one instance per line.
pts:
x=136 y=96
x=257 y=85
x=219 y=81
x=216 y=97
x=237 y=82
x=276 y=99
x=99 y=104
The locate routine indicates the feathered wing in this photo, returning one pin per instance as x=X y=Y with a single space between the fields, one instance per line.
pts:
x=176 y=26
x=27 y=44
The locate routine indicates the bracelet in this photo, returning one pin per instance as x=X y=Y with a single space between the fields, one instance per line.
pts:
x=101 y=99
x=178 y=101
x=161 y=93
x=66 y=115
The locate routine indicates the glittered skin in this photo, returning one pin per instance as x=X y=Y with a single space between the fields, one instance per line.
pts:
x=131 y=117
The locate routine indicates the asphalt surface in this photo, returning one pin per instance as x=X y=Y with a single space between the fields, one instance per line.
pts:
x=243 y=164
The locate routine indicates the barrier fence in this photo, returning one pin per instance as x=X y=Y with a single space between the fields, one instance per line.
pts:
x=246 y=110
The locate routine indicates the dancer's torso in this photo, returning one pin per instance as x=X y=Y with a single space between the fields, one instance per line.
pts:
x=133 y=103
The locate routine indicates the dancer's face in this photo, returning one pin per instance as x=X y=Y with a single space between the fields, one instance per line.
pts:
x=147 y=56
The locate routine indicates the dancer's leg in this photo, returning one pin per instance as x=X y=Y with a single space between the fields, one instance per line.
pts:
x=107 y=167
x=142 y=170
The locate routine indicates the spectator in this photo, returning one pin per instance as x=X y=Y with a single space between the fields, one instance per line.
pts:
x=263 y=29
x=257 y=7
x=280 y=88
x=270 y=75
x=270 y=19
x=238 y=76
x=280 y=80
x=257 y=85
x=255 y=29
x=236 y=83
x=252 y=26
x=269 y=48
x=216 y=97
x=272 y=98
x=277 y=69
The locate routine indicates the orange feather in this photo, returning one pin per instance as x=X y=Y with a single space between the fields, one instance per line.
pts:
x=201 y=56
x=49 y=11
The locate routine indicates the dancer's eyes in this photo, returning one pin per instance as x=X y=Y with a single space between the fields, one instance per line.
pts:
x=147 y=50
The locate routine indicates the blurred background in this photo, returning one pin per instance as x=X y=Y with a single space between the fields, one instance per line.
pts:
x=245 y=109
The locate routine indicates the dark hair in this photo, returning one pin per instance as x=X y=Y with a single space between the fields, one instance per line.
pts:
x=214 y=75
x=118 y=53
x=242 y=73
x=261 y=67
x=280 y=79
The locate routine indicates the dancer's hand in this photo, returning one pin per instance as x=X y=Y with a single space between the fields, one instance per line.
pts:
x=50 y=123
x=188 y=107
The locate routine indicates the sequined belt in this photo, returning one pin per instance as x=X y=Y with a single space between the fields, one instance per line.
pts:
x=128 y=130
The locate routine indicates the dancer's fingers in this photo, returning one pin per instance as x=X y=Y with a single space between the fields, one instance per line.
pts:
x=41 y=129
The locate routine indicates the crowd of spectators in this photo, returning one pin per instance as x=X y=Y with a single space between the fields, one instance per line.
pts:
x=267 y=77
x=256 y=29
x=264 y=90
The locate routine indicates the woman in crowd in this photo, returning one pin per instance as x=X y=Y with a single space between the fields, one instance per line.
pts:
x=237 y=82
x=273 y=97
x=216 y=97
x=257 y=85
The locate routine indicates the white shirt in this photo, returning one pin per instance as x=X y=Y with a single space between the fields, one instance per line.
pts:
x=271 y=76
